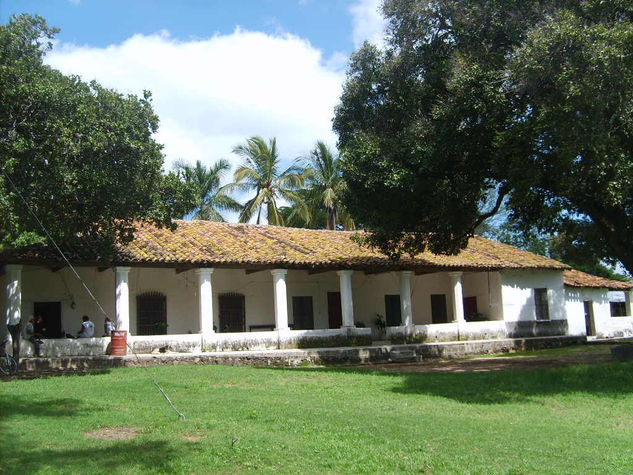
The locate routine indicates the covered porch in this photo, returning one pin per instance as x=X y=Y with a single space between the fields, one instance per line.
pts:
x=211 y=285
x=212 y=309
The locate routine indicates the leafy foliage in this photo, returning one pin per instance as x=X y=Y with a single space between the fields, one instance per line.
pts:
x=260 y=172
x=320 y=206
x=528 y=101
x=81 y=155
x=573 y=245
x=210 y=199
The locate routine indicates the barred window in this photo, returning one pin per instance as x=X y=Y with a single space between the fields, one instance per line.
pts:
x=618 y=309
x=541 y=307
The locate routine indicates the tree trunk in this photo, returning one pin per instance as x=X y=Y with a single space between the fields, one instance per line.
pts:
x=331 y=219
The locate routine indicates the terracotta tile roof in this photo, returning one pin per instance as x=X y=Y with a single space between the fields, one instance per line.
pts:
x=204 y=243
x=576 y=278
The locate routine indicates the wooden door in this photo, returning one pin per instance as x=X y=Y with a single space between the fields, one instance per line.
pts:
x=334 y=311
x=590 y=326
x=470 y=308
x=232 y=312
x=302 y=313
x=438 y=308
x=393 y=315
x=151 y=314
x=51 y=313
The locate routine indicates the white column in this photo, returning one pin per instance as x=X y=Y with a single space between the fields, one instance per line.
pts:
x=406 y=310
x=627 y=302
x=13 y=294
x=205 y=300
x=122 y=302
x=281 y=302
x=347 y=302
x=457 y=296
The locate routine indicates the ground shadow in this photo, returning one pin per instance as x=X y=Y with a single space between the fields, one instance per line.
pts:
x=114 y=457
x=611 y=380
x=510 y=386
x=20 y=405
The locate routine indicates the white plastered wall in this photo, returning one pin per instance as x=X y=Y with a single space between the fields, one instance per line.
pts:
x=369 y=292
x=181 y=291
x=605 y=325
x=518 y=294
x=485 y=286
x=40 y=284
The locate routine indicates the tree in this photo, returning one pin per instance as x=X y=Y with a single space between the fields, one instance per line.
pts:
x=82 y=156
x=325 y=185
x=526 y=100
x=210 y=199
x=320 y=203
x=260 y=172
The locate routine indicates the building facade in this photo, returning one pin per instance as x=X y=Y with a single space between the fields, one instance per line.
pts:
x=216 y=286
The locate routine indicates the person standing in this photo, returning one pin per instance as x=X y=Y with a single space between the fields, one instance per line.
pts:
x=32 y=336
x=108 y=326
x=87 y=328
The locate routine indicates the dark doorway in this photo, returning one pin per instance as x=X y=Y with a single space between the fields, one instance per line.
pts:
x=438 y=308
x=232 y=313
x=151 y=312
x=51 y=313
x=590 y=326
x=302 y=313
x=393 y=315
x=470 y=308
x=334 y=311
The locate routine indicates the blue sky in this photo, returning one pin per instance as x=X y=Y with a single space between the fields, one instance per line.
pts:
x=219 y=70
x=326 y=23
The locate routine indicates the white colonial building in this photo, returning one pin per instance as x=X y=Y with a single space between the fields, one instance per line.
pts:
x=214 y=286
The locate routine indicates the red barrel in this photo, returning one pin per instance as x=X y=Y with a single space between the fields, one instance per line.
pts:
x=118 y=344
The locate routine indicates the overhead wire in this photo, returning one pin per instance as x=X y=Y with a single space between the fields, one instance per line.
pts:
x=87 y=289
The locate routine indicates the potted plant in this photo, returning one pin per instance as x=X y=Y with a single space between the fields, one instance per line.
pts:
x=381 y=325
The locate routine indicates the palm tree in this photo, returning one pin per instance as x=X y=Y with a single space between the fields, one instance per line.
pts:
x=260 y=172
x=325 y=186
x=210 y=198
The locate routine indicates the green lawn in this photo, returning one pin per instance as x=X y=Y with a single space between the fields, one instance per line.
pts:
x=567 y=420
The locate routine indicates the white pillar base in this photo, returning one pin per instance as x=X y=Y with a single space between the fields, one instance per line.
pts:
x=13 y=293
x=122 y=298
x=281 y=299
x=347 y=301
x=457 y=298
x=406 y=310
x=205 y=300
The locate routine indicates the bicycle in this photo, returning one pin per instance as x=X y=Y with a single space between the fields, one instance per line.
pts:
x=8 y=366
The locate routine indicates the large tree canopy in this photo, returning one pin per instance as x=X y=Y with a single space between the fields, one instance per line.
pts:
x=474 y=103
x=81 y=155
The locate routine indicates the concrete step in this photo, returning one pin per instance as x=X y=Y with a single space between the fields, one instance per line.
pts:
x=381 y=343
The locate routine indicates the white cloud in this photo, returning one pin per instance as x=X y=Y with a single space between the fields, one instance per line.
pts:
x=213 y=93
x=368 y=22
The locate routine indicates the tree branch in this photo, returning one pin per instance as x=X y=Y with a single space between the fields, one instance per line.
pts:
x=503 y=192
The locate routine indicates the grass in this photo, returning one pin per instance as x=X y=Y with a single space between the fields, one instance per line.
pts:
x=577 y=419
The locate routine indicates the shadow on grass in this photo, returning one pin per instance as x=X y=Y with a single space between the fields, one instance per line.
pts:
x=20 y=405
x=113 y=457
x=612 y=379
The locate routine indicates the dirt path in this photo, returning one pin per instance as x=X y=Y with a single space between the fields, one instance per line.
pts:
x=522 y=361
